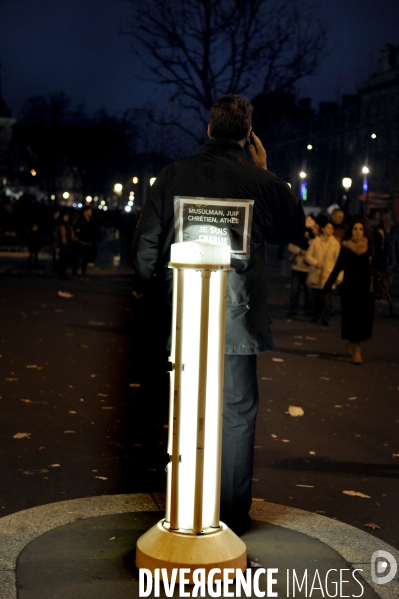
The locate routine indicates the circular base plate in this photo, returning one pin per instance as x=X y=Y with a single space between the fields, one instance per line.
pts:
x=161 y=548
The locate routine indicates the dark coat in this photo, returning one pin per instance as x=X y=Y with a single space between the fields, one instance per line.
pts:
x=221 y=170
x=357 y=301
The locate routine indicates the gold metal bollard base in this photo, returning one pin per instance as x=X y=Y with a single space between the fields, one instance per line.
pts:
x=161 y=548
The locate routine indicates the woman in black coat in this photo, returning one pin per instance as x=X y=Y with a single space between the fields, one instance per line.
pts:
x=357 y=300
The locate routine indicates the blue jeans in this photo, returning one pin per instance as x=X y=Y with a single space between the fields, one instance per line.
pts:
x=298 y=282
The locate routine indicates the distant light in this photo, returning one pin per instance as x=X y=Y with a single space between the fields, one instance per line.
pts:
x=365 y=170
x=17 y=197
x=118 y=187
x=74 y=205
x=309 y=147
x=135 y=180
x=346 y=183
x=89 y=199
x=302 y=174
x=100 y=207
x=105 y=208
x=33 y=173
x=65 y=195
x=289 y=184
x=365 y=185
x=53 y=197
x=304 y=191
x=152 y=180
x=128 y=208
x=373 y=136
x=79 y=205
x=130 y=203
x=96 y=198
x=102 y=202
x=131 y=194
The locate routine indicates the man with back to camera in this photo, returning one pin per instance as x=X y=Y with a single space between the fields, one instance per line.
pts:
x=221 y=170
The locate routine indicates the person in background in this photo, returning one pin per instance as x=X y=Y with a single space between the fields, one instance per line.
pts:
x=34 y=242
x=357 y=301
x=337 y=219
x=84 y=230
x=299 y=272
x=322 y=256
x=65 y=236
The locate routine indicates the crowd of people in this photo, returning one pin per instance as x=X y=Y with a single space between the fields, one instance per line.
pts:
x=69 y=235
x=356 y=257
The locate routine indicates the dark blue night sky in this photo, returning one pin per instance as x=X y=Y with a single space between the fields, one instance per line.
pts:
x=76 y=46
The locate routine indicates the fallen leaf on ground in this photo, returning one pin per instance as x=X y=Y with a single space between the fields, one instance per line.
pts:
x=102 y=395
x=325 y=378
x=286 y=441
x=134 y=385
x=101 y=477
x=266 y=378
x=306 y=486
x=338 y=405
x=107 y=407
x=352 y=398
x=137 y=295
x=93 y=376
x=66 y=432
x=311 y=338
x=356 y=494
x=72 y=412
x=112 y=538
x=395 y=455
x=373 y=526
x=277 y=360
x=313 y=355
x=81 y=399
x=274 y=436
x=31 y=366
x=22 y=436
x=55 y=465
x=36 y=402
x=295 y=411
x=257 y=499
x=39 y=471
x=64 y=294
x=298 y=337
x=312 y=453
x=10 y=379
x=83 y=345
x=298 y=343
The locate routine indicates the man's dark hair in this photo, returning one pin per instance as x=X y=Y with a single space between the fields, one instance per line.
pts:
x=231 y=117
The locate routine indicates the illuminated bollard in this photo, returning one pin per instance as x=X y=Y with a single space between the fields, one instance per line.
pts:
x=191 y=534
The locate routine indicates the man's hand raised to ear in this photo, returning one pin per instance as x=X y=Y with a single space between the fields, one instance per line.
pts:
x=258 y=152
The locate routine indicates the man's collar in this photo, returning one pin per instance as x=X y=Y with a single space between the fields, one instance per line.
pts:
x=223 y=145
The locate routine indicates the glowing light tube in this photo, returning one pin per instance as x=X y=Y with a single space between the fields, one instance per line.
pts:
x=196 y=389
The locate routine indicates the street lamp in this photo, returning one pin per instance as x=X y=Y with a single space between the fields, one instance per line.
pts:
x=135 y=180
x=65 y=195
x=152 y=181
x=347 y=183
x=309 y=147
x=118 y=187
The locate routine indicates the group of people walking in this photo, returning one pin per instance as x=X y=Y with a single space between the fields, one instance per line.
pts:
x=332 y=255
x=72 y=241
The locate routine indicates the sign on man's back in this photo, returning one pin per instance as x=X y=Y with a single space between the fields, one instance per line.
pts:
x=223 y=221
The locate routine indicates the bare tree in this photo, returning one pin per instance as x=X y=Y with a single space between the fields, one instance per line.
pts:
x=201 y=49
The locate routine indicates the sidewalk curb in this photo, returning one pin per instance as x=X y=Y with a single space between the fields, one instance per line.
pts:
x=19 y=529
